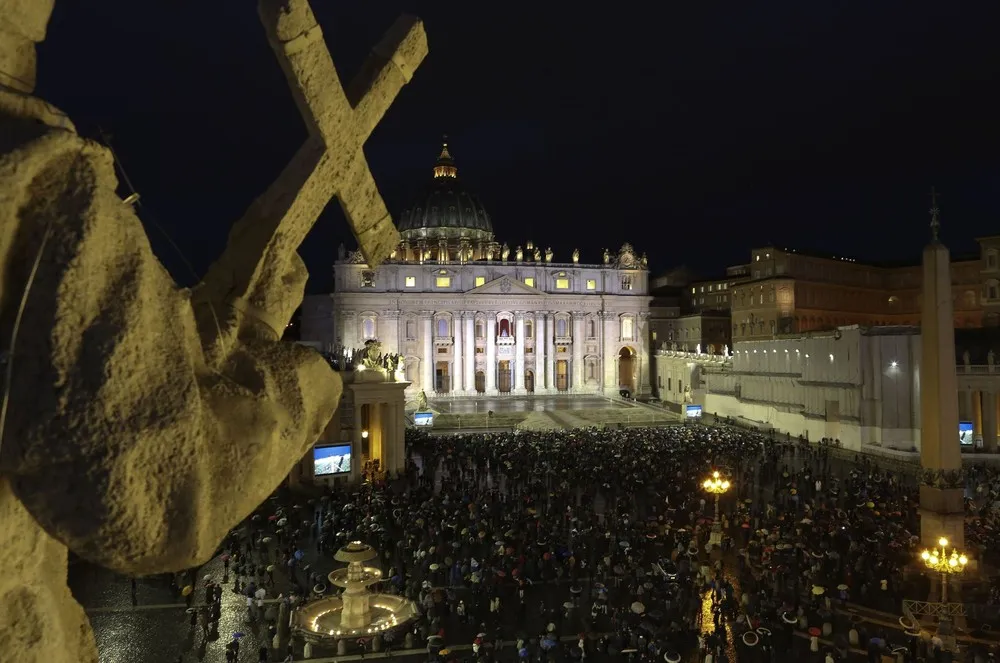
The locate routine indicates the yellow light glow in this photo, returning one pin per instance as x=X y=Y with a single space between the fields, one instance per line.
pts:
x=925 y=555
x=715 y=474
x=963 y=560
x=943 y=542
x=953 y=562
x=364 y=434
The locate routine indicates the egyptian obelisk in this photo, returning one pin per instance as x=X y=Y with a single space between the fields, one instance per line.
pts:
x=941 y=506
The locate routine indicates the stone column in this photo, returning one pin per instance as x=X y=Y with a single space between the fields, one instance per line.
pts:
x=517 y=377
x=576 y=372
x=491 y=353
x=470 y=352
x=540 y=341
x=989 y=422
x=457 y=360
x=388 y=331
x=550 y=351
x=642 y=349
x=427 y=335
x=977 y=417
x=349 y=329
x=609 y=350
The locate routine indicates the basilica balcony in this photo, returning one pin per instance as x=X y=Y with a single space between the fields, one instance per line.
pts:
x=444 y=341
x=506 y=340
x=564 y=340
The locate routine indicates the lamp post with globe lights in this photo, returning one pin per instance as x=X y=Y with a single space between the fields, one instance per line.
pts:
x=938 y=559
x=716 y=485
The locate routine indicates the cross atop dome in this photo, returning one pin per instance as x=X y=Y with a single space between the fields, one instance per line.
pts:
x=445 y=166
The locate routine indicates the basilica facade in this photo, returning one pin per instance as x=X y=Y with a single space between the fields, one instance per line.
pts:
x=472 y=317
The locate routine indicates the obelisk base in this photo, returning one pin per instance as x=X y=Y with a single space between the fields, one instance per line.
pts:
x=942 y=513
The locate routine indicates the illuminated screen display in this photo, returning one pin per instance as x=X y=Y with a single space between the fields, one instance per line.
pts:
x=332 y=460
x=965 y=433
x=693 y=411
x=423 y=418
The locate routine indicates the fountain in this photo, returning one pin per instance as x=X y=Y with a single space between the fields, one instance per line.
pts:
x=357 y=611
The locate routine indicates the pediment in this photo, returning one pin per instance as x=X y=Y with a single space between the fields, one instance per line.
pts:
x=505 y=285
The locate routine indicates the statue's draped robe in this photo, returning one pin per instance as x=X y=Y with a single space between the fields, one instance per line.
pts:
x=121 y=442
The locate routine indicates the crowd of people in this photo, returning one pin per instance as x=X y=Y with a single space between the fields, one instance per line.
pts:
x=570 y=544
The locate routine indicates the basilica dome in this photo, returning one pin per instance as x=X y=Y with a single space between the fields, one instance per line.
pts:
x=446 y=209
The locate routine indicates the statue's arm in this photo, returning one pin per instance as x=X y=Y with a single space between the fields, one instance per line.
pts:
x=119 y=439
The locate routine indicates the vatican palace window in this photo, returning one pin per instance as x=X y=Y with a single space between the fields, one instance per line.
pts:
x=562 y=284
x=627 y=328
x=480 y=280
x=591 y=284
x=368 y=328
x=442 y=281
x=367 y=279
x=626 y=283
x=411 y=281
x=530 y=282
x=442 y=327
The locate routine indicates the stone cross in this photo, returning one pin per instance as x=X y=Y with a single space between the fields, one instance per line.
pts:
x=262 y=245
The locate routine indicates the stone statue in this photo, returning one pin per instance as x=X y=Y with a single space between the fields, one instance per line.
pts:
x=990 y=357
x=518 y=254
x=504 y=252
x=697 y=349
x=143 y=421
x=341 y=252
x=371 y=355
x=644 y=261
x=607 y=257
x=966 y=359
x=537 y=254
x=576 y=255
x=725 y=352
x=422 y=400
x=548 y=254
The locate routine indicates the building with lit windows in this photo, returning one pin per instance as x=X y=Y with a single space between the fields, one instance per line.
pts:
x=471 y=316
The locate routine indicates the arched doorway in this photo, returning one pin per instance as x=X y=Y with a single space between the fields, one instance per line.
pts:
x=562 y=375
x=504 y=376
x=442 y=379
x=529 y=381
x=480 y=382
x=626 y=369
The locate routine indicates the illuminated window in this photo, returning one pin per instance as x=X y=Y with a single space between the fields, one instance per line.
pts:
x=480 y=280
x=411 y=281
x=627 y=328
x=368 y=328
x=443 y=281
x=560 y=327
x=442 y=327
x=591 y=284
x=694 y=290
x=562 y=284
x=626 y=283
x=530 y=282
x=367 y=279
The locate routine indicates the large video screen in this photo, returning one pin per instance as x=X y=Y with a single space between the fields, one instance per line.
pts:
x=965 y=437
x=423 y=418
x=332 y=460
x=693 y=411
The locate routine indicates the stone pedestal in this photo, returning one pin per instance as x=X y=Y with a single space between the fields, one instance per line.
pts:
x=942 y=514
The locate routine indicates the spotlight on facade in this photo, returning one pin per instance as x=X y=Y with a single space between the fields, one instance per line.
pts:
x=364 y=435
x=893 y=364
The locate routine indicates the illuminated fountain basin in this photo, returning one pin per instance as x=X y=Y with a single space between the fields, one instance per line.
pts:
x=356 y=611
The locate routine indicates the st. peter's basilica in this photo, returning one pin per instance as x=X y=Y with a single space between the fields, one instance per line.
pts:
x=471 y=316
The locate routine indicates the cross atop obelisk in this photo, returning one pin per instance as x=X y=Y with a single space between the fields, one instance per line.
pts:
x=249 y=281
x=935 y=215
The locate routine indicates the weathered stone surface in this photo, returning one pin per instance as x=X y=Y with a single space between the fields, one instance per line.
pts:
x=141 y=421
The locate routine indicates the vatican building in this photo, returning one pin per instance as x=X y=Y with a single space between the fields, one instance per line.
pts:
x=470 y=315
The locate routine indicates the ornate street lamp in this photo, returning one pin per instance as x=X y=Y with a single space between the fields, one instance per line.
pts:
x=938 y=559
x=717 y=486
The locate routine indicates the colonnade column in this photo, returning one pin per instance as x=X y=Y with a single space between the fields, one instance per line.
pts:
x=989 y=421
x=977 y=417
x=642 y=350
x=427 y=333
x=550 y=351
x=491 y=353
x=517 y=375
x=608 y=350
x=540 y=340
x=470 y=351
x=457 y=359
x=576 y=372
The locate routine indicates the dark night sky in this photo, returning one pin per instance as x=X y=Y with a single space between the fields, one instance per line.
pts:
x=694 y=130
